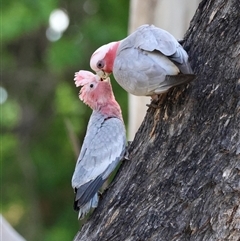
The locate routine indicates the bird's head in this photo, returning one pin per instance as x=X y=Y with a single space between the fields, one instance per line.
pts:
x=95 y=91
x=103 y=58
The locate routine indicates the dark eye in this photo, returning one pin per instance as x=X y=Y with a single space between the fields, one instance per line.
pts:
x=91 y=85
x=100 y=64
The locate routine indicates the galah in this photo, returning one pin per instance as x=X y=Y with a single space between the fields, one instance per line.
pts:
x=148 y=62
x=104 y=144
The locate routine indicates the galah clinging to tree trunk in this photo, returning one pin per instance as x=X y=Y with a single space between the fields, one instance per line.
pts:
x=148 y=62
x=104 y=144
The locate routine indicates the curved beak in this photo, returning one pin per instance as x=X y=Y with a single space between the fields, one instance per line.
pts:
x=102 y=74
x=107 y=79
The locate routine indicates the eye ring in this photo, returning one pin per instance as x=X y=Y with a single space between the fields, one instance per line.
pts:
x=100 y=64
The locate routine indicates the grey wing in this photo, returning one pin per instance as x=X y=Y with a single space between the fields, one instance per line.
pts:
x=103 y=148
x=150 y=38
x=140 y=72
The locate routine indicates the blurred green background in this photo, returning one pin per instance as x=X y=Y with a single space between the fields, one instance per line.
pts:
x=43 y=122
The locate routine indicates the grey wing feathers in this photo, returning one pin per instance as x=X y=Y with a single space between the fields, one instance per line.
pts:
x=103 y=148
x=150 y=38
x=180 y=58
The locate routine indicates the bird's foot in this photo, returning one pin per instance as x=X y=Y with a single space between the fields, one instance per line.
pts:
x=154 y=103
x=181 y=41
x=126 y=154
x=157 y=100
x=100 y=194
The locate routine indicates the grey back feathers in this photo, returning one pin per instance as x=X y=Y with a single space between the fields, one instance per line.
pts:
x=102 y=150
x=146 y=57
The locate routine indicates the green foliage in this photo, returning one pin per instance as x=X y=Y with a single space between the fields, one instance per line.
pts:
x=11 y=113
x=17 y=16
x=65 y=102
x=61 y=55
x=43 y=119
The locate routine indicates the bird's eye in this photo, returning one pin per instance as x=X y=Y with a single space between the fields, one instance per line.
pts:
x=91 y=85
x=100 y=64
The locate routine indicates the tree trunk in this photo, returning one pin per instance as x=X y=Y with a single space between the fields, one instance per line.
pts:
x=183 y=179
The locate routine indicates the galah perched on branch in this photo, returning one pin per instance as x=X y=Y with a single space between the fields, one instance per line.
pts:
x=148 y=62
x=104 y=143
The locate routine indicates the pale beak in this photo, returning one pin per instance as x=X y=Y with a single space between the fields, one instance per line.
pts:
x=107 y=79
x=102 y=74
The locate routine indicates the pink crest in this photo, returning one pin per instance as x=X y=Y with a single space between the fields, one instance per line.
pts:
x=83 y=77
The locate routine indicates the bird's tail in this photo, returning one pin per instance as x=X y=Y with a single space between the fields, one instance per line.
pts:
x=174 y=80
x=83 y=210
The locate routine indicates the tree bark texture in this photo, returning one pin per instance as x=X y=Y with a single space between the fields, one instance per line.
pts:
x=183 y=178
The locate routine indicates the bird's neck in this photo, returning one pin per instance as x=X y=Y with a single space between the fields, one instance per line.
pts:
x=110 y=109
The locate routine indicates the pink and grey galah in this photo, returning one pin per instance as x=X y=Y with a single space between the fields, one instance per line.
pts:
x=104 y=143
x=148 y=62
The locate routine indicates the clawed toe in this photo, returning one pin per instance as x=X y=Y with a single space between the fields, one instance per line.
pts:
x=153 y=105
x=126 y=154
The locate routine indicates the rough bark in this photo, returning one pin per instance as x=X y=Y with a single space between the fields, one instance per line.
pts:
x=183 y=179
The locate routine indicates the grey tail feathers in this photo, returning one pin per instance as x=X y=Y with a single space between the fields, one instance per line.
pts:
x=83 y=210
x=175 y=80
x=85 y=193
x=86 y=196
